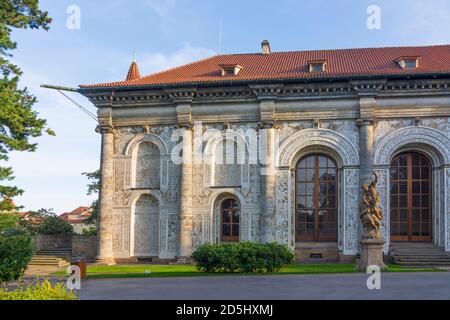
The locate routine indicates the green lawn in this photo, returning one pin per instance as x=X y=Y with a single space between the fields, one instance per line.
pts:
x=149 y=271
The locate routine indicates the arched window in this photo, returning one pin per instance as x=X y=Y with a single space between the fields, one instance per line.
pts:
x=316 y=199
x=230 y=216
x=411 y=198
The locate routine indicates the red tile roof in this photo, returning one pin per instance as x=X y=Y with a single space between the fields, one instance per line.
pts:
x=341 y=63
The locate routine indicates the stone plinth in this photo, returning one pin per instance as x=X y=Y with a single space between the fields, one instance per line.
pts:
x=371 y=254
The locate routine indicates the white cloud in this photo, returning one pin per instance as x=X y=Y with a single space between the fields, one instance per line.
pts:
x=155 y=62
x=162 y=7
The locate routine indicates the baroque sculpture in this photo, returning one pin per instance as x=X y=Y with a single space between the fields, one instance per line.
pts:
x=370 y=213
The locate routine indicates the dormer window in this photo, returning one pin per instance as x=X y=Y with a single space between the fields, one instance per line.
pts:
x=408 y=62
x=230 y=70
x=317 y=66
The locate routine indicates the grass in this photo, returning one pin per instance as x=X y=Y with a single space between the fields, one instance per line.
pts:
x=160 y=271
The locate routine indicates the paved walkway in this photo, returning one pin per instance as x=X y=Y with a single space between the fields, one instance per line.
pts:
x=431 y=286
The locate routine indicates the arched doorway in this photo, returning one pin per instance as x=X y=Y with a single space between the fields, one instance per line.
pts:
x=316 y=199
x=411 y=198
x=230 y=211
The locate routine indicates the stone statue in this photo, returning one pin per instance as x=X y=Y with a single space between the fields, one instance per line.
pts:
x=369 y=211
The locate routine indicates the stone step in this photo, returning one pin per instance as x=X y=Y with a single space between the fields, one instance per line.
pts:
x=431 y=261
x=424 y=256
x=417 y=252
x=53 y=252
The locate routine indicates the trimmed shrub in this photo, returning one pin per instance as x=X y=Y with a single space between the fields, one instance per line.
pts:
x=41 y=291
x=245 y=257
x=15 y=254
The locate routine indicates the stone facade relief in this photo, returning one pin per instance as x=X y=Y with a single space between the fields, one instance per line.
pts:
x=172 y=237
x=146 y=227
x=121 y=237
x=347 y=128
x=440 y=124
x=148 y=166
x=291 y=127
x=384 y=127
x=155 y=170
x=383 y=189
x=283 y=201
x=447 y=208
x=350 y=211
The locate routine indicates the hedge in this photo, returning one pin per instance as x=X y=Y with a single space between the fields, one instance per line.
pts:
x=15 y=254
x=244 y=257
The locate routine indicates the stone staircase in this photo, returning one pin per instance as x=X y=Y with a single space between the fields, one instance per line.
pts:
x=53 y=257
x=418 y=254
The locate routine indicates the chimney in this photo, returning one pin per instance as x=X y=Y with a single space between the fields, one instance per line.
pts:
x=265 y=47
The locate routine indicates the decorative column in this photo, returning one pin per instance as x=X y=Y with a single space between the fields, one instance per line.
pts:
x=186 y=172
x=267 y=153
x=105 y=221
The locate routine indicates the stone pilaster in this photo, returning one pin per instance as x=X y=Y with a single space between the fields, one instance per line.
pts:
x=268 y=178
x=366 y=150
x=366 y=138
x=184 y=113
x=105 y=234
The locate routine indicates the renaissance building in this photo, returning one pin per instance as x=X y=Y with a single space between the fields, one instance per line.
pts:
x=274 y=147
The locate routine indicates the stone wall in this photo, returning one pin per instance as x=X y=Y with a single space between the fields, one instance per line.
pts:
x=82 y=246
x=41 y=243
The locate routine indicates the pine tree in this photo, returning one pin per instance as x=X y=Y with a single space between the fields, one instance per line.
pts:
x=18 y=121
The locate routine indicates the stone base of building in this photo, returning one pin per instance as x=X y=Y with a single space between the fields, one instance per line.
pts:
x=317 y=252
x=105 y=261
x=371 y=254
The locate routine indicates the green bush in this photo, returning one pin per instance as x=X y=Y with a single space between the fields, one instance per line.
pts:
x=54 y=226
x=15 y=254
x=92 y=231
x=8 y=220
x=245 y=257
x=41 y=291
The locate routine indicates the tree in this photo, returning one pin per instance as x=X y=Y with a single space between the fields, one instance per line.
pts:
x=34 y=219
x=54 y=226
x=8 y=220
x=93 y=188
x=18 y=121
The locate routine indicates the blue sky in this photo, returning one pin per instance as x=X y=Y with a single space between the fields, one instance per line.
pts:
x=166 y=33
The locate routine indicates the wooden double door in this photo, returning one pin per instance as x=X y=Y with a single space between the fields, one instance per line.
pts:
x=411 y=198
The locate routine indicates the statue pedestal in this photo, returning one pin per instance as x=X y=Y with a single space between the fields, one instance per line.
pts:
x=371 y=254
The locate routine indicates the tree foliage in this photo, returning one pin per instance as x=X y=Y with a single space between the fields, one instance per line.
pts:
x=8 y=220
x=45 y=222
x=93 y=188
x=19 y=123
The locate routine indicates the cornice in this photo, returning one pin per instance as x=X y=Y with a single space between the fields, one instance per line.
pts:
x=275 y=92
